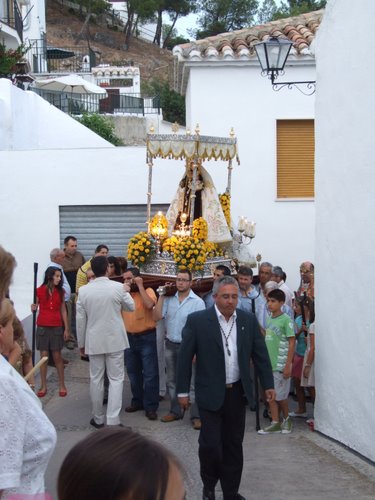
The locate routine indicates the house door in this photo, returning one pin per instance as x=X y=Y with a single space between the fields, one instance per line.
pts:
x=110 y=103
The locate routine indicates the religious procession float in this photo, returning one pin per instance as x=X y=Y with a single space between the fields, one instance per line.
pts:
x=197 y=232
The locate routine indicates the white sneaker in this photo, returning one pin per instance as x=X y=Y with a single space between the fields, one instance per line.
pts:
x=286 y=426
x=273 y=428
x=294 y=414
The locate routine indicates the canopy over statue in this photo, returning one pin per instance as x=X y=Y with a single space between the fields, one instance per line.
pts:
x=196 y=195
x=192 y=147
x=196 y=232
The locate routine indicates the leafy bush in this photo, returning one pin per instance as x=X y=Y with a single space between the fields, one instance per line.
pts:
x=101 y=126
x=172 y=103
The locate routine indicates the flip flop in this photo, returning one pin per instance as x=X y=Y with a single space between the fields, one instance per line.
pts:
x=41 y=393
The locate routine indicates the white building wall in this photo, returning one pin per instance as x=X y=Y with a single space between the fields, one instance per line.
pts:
x=237 y=96
x=48 y=159
x=345 y=234
x=34 y=13
x=29 y=122
x=38 y=182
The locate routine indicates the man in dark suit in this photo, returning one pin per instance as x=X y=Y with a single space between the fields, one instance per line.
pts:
x=224 y=340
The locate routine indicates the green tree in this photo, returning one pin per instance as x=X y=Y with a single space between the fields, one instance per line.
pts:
x=296 y=7
x=101 y=126
x=171 y=37
x=92 y=7
x=266 y=11
x=138 y=11
x=172 y=103
x=220 y=16
x=176 y=9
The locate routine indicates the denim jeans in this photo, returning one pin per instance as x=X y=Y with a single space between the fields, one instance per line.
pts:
x=171 y=355
x=141 y=362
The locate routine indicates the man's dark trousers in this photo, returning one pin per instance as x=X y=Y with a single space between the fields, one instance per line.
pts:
x=220 y=443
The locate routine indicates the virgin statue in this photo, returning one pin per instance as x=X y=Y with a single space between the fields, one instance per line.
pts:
x=206 y=205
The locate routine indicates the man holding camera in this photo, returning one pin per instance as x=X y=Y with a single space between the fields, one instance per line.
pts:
x=141 y=359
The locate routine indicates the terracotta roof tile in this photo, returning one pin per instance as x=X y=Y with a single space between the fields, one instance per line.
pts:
x=239 y=45
x=300 y=30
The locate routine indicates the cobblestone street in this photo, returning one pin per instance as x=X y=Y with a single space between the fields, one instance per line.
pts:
x=303 y=464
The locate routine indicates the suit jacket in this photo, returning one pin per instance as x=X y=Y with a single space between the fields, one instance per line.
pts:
x=201 y=336
x=100 y=327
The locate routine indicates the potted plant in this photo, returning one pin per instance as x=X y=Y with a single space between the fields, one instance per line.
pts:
x=10 y=59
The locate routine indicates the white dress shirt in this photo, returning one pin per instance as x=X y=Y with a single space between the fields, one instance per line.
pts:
x=289 y=296
x=232 y=370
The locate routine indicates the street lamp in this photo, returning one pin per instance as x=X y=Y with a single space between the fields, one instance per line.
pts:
x=272 y=56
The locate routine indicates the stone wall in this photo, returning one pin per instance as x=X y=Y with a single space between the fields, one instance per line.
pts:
x=131 y=129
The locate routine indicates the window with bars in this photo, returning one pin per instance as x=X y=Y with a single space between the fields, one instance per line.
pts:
x=295 y=159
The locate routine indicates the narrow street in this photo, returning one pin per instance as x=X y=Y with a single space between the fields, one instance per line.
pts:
x=302 y=465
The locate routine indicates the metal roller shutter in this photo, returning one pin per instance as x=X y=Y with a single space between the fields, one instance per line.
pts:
x=295 y=158
x=112 y=225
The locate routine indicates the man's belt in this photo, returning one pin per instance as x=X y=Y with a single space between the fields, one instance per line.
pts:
x=172 y=342
x=146 y=332
x=233 y=384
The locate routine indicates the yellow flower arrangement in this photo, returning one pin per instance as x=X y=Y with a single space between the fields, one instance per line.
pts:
x=140 y=249
x=169 y=244
x=200 y=228
x=189 y=253
x=212 y=249
x=193 y=251
x=225 y=205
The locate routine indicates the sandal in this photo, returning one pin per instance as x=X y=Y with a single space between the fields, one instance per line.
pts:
x=41 y=393
x=63 y=393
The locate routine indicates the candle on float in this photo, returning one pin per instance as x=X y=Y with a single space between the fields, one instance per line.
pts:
x=242 y=224
x=250 y=229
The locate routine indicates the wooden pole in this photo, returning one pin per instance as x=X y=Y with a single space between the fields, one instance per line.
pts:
x=34 y=312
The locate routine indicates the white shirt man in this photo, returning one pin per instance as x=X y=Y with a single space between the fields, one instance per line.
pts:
x=278 y=276
x=101 y=334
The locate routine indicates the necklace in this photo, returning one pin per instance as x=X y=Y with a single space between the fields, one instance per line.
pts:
x=226 y=337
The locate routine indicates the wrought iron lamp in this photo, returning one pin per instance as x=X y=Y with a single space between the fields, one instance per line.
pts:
x=272 y=56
